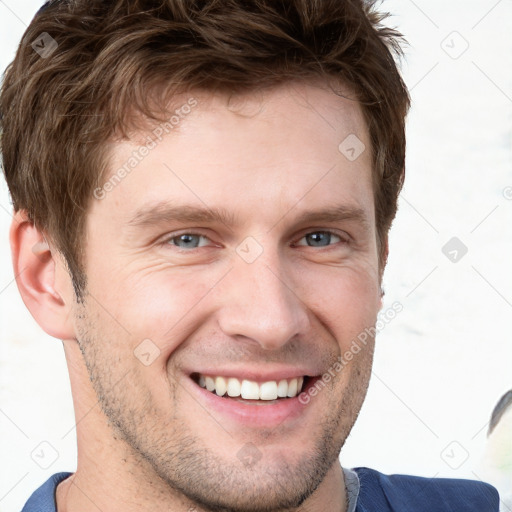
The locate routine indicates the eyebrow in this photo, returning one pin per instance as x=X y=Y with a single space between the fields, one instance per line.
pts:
x=165 y=212
x=335 y=214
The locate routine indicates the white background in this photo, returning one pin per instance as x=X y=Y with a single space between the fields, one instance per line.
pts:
x=445 y=360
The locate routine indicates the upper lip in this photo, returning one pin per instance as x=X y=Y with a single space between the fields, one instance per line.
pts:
x=255 y=374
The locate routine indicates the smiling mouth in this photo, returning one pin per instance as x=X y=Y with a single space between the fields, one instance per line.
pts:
x=247 y=390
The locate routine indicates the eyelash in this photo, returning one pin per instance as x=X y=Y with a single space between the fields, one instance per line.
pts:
x=343 y=240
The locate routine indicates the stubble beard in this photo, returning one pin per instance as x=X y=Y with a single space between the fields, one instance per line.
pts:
x=186 y=466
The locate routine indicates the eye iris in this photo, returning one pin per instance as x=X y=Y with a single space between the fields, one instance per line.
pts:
x=187 y=241
x=319 y=239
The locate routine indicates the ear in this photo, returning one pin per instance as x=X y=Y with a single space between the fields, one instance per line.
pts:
x=43 y=281
x=384 y=260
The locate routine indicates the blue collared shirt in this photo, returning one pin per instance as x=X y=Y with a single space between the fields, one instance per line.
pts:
x=367 y=491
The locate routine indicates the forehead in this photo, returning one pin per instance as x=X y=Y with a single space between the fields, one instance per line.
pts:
x=296 y=145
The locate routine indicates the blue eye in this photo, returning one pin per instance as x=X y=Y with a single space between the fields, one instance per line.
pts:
x=314 y=239
x=188 y=241
x=320 y=239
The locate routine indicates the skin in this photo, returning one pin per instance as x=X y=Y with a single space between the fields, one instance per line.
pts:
x=144 y=441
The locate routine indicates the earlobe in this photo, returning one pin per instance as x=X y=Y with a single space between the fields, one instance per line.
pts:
x=36 y=267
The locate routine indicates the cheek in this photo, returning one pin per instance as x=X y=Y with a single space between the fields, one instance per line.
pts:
x=162 y=305
x=345 y=300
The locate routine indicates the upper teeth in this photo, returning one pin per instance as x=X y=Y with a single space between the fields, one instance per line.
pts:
x=251 y=390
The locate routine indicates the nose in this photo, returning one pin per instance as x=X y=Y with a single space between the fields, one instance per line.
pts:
x=261 y=305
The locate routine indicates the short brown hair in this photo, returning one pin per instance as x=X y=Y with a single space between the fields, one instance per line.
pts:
x=119 y=57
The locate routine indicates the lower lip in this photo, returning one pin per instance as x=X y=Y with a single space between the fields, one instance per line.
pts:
x=259 y=414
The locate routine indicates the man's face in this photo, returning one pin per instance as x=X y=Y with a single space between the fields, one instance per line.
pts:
x=242 y=246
